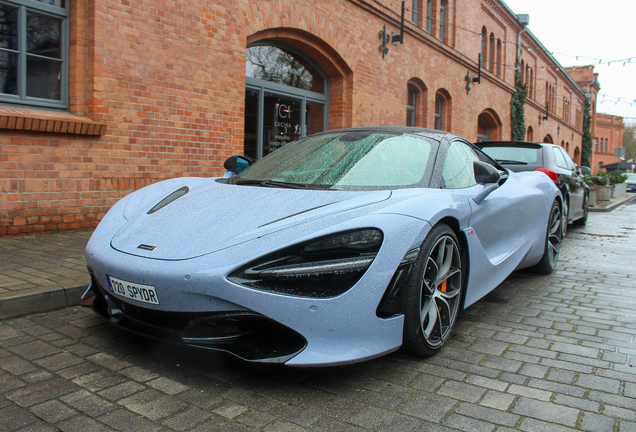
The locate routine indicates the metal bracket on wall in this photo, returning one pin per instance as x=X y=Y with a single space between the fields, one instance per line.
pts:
x=385 y=38
x=394 y=38
x=473 y=80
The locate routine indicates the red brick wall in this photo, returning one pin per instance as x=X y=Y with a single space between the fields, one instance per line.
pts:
x=164 y=82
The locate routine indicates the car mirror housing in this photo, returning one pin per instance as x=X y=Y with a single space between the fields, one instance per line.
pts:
x=237 y=163
x=485 y=173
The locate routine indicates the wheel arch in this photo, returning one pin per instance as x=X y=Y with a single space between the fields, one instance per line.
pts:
x=463 y=243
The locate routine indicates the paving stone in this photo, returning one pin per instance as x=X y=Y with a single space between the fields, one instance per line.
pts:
x=87 y=403
x=81 y=424
x=34 y=350
x=532 y=425
x=152 y=404
x=561 y=376
x=619 y=413
x=597 y=423
x=295 y=414
x=461 y=391
x=123 y=420
x=468 y=424
x=497 y=400
x=546 y=411
x=59 y=361
x=557 y=388
x=501 y=364
x=487 y=383
x=16 y=365
x=427 y=406
x=529 y=392
x=13 y=418
x=599 y=383
x=52 y=411
x=535 y=371
x=427 y=382
x=487 y=414
x=626 y=426
x=577 y=402
x=40 y=392
x=473 y=369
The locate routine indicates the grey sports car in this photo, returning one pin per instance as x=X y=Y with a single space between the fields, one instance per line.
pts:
x=336 y=248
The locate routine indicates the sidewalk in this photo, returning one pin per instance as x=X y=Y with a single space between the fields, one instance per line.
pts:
x=48 y=272
x=42 y=273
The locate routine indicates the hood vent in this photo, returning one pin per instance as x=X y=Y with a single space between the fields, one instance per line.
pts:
x=167 y=200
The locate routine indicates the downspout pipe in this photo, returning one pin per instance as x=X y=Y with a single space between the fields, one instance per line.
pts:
x=524 y=20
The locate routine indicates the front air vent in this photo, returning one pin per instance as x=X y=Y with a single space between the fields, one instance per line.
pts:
x=170 y=198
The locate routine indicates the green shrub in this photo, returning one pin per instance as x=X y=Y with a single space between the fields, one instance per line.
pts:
x=600 y=179
x=617 y=177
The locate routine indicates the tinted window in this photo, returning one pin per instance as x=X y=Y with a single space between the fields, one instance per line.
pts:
x=568 y=160
x=560 y=160
x=458 y=167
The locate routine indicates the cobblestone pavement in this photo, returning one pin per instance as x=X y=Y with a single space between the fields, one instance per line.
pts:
x=540 y=353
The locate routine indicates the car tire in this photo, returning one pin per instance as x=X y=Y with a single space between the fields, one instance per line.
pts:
x=566 y=216
x=552 y=241
x=434 y=293
x=586 y=208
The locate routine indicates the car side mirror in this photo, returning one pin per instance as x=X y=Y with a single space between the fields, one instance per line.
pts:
x=485 y=173
x=237 y=163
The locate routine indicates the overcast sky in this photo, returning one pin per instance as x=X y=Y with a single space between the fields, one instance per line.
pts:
x=592 y=30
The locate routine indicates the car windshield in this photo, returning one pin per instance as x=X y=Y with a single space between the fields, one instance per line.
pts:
x=345 y=160
x=510 y=155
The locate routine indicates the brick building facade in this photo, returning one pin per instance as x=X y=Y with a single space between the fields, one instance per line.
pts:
x=146 y=91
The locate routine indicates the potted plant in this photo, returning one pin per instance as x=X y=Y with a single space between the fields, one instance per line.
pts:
x=599 y=187
x=617 y=179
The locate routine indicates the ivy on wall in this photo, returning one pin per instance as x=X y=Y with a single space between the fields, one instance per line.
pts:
x=517 y=113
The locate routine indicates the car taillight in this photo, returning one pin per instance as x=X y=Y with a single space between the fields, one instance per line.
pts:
x=553 y=175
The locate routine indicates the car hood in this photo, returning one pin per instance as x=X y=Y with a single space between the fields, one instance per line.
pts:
x=217 y=216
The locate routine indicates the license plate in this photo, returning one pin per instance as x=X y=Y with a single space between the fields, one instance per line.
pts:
x=134 y=291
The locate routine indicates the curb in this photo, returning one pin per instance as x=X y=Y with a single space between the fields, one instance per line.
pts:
x=42 y=301
x=612 y=206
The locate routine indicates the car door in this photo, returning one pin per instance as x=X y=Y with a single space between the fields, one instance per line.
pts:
x=501 y=229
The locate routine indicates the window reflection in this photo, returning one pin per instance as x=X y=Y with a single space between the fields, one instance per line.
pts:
x=272 y=64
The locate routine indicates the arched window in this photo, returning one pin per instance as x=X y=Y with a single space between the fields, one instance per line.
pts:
x=416 y=100
x=530 y=134
x=492 y=53
x=548 y=139
x=286 y=97
x=442 y=21
x=606 y=149
x=411 y=105
x=483 y=129
x=429 y=16
x=595 y=144
x=488 y=126
x=415 y=12
x=498 y=57
x=439 y=112
x=484 y=45
x=577 y=156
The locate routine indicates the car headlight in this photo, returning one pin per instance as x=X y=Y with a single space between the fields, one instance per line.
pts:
x=323 y=267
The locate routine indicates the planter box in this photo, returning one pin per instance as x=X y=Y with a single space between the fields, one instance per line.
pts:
x=603 y=193
x=619 y=190
x=592 y=198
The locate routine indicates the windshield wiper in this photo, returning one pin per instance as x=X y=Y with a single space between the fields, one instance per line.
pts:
x=270 y=183
x=503 y=161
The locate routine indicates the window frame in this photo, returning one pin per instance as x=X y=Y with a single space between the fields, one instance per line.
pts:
x=61 y=13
